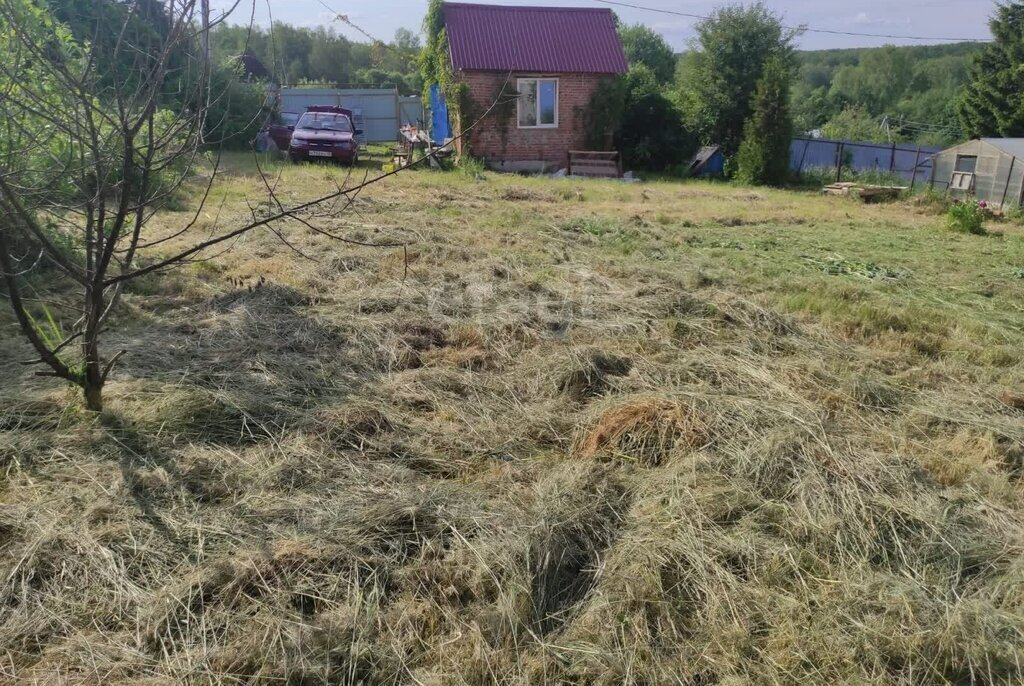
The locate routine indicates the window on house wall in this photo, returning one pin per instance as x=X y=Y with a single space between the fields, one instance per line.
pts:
x=538 y=103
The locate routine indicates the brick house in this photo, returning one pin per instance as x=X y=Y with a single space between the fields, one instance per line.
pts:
x=542 y=65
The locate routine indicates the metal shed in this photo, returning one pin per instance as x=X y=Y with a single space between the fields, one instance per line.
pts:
x=989 y=169
x=709 y=161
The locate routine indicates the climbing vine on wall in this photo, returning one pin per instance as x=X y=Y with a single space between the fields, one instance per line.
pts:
x=436 y=67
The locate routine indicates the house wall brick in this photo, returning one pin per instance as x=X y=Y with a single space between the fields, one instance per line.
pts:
x=487 y=140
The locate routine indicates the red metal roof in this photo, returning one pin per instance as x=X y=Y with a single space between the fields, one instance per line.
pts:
x=541 y=39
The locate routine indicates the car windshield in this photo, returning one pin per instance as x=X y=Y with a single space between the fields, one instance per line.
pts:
x=288 y=118
x=324 y=121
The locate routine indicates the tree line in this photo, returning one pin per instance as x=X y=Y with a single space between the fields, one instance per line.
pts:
x=670 y=102
x=914 y=90
x=296 y=55
x=743 y=86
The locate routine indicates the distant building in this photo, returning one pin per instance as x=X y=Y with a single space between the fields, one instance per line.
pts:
x=547 y=61
x=989 y=169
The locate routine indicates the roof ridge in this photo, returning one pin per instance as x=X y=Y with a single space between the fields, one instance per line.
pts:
x=538 y=8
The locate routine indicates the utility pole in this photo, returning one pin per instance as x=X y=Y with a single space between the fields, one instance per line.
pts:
x=205 y=11
x=206 y=70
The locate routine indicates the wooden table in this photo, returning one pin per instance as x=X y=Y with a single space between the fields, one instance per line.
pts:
x=411 y=139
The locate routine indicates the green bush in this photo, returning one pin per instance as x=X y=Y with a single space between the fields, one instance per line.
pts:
x=967 y=216
x=603 y=114
x=652 y=136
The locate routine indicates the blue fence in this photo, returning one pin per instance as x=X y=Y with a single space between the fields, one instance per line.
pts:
x=912 y=163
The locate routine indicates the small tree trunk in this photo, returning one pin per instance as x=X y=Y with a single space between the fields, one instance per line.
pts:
x=92 y=379
x=93 y=395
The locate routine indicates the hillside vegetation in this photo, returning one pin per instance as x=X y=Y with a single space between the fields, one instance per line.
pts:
x=915 y=86
x=578 y=432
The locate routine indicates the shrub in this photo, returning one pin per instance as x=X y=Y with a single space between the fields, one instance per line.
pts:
x=651 y=134
x=603 y=114
x=967 y=216
x=236 y=111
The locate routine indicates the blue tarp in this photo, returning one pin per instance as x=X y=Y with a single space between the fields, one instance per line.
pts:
x=440 y=129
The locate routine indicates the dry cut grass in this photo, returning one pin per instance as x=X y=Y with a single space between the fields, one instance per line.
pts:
x=592 y=433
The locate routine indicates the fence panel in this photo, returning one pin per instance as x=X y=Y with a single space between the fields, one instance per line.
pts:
x=410 y=110
x=381 y=109
x=899 y=159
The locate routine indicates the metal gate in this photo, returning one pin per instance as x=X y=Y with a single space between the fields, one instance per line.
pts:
x=381 y=110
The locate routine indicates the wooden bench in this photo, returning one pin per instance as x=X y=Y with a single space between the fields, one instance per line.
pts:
x=607 y=164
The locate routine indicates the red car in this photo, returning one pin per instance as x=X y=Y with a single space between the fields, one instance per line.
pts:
x=324 y=133
x=280 y=129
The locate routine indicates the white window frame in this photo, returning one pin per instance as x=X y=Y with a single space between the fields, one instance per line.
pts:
x=519 y=102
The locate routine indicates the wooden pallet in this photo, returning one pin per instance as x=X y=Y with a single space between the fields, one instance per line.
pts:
x=864 y=192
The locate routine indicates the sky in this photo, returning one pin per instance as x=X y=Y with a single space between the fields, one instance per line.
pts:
x=928 y=18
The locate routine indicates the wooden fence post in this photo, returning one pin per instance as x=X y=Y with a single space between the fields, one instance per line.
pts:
x=892 y=159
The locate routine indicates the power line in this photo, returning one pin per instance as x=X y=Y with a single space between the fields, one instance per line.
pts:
x=343 y=18
x=801 y=27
